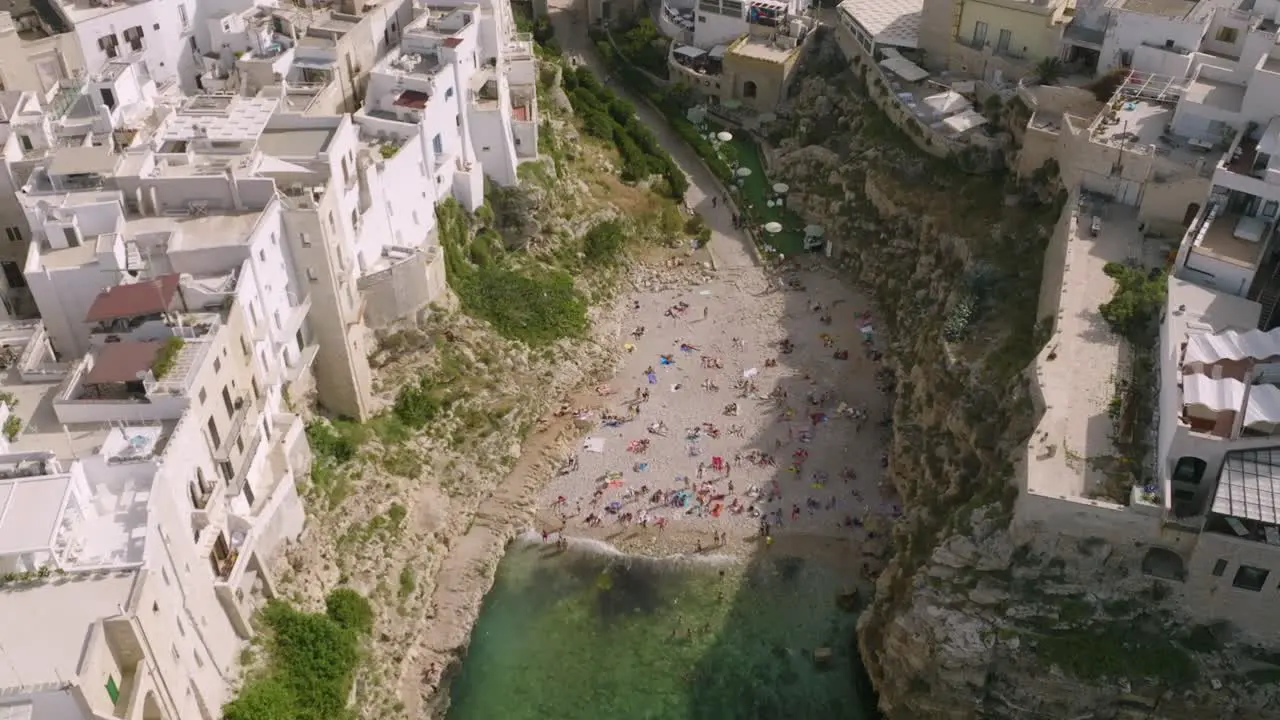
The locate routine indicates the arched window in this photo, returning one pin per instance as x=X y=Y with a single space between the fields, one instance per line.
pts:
x=749 y=89
x=1189 y=470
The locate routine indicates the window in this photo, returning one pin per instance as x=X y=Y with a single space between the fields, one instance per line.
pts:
x=214 y=436
x=113 y=690
x=133 y=36
x=204 y=395
x=164 y=574
x=979 y=34
x=312 y=276
x=25 y=142
x=240 y=445
x=199 y=661
x=1126 y=58
x=13 y=233
x=276 y=314
x=226 y=401
x=181 y=630
x=1189 y=470
x=1269 y=209
x=749 y=89
x=448 y=93
x=1227 y=35
x=182 y=17
x=1250 y=578
x=437 y=144
x=217 y=364
x=262 y=255
x=109 y=45
x=457 y=120
x=253 y=385
x=244 y=346
x=13 y=274
x=306 y=241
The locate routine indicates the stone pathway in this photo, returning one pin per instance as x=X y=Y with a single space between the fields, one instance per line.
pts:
x=731 y=248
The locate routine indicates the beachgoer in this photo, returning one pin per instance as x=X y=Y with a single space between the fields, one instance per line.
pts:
x=544 y=536
x=705 y=311
x=713 y=202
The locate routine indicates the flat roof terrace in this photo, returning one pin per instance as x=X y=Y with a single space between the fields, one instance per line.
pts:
x=1220 y=242
x=1067 y=453
x=301 y=142
x=1216 y=93
x=755 y=48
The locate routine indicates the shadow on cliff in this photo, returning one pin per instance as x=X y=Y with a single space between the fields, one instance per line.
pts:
x=787 y=649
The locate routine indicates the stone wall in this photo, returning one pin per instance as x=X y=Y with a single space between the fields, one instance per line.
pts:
x=403 y=289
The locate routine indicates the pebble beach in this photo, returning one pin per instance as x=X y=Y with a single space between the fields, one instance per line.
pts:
x=710 y=428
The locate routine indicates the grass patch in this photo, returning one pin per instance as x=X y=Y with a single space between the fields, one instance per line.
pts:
x=1118 y=650
x=167 y=357
x=756 y=191
x=312 y=659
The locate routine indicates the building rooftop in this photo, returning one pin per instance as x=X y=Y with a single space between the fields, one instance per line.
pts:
x=1216 y=93
x=82 y=161
x=757 y=48
x=198 y=232
x=890 y=22
x=122 y=362
x=1161 y=8
x=145 y=297
x=1220 y=241
x=302 y=142
x=225 y=118
x=44 y=648
x=1249 y=489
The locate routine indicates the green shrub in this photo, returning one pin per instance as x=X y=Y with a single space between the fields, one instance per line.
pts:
x=603 y=243
x=12 y=427
x=350 y=610
x=329 y=442
x=417 y=405
x=1134 y=308
x=167 y=356
x=312 y=659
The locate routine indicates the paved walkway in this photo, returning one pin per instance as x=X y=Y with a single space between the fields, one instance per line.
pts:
x=730 y=247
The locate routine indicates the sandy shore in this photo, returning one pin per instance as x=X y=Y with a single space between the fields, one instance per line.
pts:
x=824 y=483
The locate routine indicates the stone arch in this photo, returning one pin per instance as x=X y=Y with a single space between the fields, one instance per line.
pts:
x=749 y=89
x=151 y=707
x=1163 y=563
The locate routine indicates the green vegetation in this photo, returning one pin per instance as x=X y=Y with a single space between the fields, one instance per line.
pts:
x=408 y=581
x=1119 y=650
x=311 y=661
x=1134 y=310
x=756 y=190
x=603 y=243
x=525 y=301
x=609 y=117
x=12 y=427
x=644 y=46
x=167 y=357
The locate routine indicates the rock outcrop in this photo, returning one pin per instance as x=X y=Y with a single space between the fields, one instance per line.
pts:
x=967 y=623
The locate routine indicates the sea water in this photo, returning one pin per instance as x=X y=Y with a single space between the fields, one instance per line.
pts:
x=590 y=633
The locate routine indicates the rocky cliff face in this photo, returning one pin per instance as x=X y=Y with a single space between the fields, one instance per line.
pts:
x=966 y=623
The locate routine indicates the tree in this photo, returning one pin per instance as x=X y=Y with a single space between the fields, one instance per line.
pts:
x=1049 y=70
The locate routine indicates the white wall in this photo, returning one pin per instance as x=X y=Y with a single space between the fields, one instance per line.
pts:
x=710 y=29
x=162 y=47
x=1218 y=274
x=1129 y=30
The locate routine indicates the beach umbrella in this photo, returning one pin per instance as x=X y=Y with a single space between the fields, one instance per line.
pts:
x=814 y=231
x=780 y=188
x=773 y=227
x=769 y=203
x=724 y=136
x=744 y=172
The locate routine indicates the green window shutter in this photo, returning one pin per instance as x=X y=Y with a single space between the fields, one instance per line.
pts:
x=113 y=691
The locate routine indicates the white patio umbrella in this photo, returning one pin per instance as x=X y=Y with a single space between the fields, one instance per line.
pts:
x=724 y=136
x=773 y=227
x=744 y=172
x=814 y=231
x=781 y=188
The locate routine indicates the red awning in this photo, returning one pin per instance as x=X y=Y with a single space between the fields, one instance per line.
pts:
x=146 y=297
x=412 y=99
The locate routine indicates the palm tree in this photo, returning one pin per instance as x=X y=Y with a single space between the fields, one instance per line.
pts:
x=1049 y=70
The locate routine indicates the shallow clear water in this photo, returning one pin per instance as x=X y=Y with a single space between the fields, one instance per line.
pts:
x=585 y=634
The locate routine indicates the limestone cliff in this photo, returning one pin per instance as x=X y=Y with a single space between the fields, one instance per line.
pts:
x=966 y=622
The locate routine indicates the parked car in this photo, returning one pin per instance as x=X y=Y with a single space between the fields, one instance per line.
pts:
x=1095 y=226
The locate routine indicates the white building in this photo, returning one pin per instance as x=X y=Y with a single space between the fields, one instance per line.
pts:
x=142 y=487
x=463 y=75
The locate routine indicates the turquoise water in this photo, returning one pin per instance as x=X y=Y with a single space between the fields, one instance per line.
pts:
x=586 y=634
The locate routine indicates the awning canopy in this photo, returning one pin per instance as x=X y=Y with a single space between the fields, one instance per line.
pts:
x=1219 y=394
x=1210 y=348
x=962 y=122
x=122 y=362
x=689 y=51
x=888 y=22
x=903 y=67
x=947 y=103
x=145 y=297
